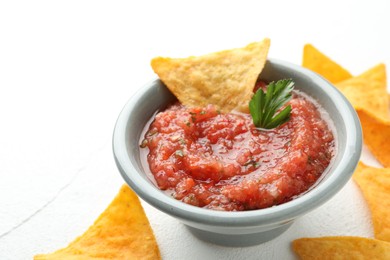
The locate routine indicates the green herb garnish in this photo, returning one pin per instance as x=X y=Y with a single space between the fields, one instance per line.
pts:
x=264 y=106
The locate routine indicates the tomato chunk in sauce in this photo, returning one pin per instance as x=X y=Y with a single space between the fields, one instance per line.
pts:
x=223 y=162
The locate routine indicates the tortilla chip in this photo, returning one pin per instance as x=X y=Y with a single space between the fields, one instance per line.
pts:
x=368 y=92
x=341 y=248
x=316 y=61
x=122 y=231
x=376 y=136
x=225 y=79
x=375 y=185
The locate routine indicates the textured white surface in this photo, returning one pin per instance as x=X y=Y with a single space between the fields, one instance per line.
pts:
x=67 y=68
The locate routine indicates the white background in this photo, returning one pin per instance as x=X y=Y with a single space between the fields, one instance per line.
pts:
x=68 y=67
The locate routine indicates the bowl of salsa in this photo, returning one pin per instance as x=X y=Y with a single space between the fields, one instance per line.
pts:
x=228 y=181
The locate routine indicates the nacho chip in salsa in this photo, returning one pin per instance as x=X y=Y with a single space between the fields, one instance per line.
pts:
x=202 y=152
x=225 y=79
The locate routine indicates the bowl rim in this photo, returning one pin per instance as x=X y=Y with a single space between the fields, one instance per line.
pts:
x=267 y=216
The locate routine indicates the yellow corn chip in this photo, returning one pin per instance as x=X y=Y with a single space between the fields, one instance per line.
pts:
x=339 y=248
x=376 y=136
x=368 y=92
x=122 y=231
x=316 y=61
x=225 y=79
x=375 y=185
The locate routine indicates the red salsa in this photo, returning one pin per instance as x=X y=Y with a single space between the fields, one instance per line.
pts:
x=223 y=162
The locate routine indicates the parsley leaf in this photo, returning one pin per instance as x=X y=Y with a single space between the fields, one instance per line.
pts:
x=264 y=106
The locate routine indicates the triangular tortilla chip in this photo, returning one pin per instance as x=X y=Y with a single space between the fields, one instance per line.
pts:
x=225 y=79
x=368 y=92
x=375 y=185
x=376 y=136
x=122 y=231
x=316 y=61
x=338 y=248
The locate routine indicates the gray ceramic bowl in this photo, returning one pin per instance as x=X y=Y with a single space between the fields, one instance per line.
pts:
x=248 y=227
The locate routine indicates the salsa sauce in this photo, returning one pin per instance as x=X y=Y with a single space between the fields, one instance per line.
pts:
x=223 y=162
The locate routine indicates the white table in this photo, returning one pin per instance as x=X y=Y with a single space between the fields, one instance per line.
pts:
x=67 y=68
